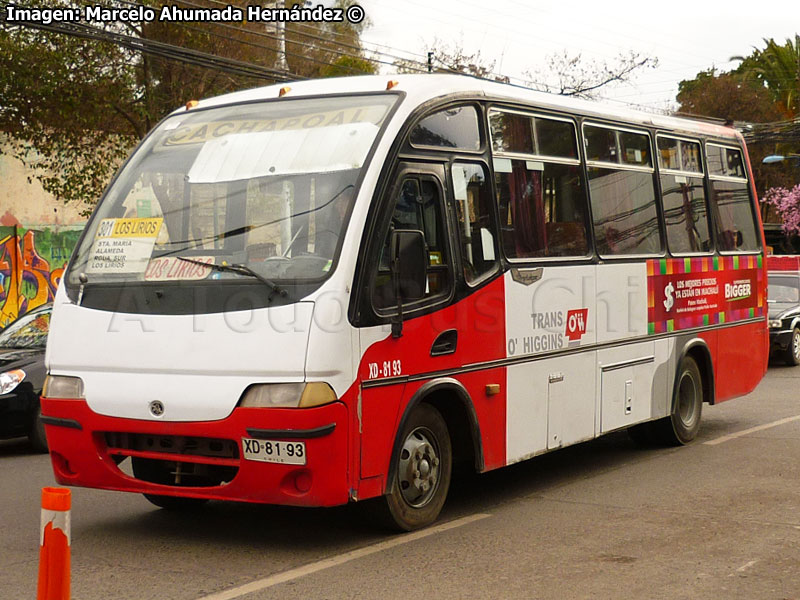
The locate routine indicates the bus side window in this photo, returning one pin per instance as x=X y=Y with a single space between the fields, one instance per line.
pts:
x=541 y=198
x=683 y=196
x=542 y=208
x=476 y=230
x=455 y=127
x=734 y=220
x=622 y=192
x=417 y=206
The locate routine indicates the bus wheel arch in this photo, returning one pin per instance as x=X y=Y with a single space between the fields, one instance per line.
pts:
x=439 y=427
x=694 y=365
x=693 y=385
x=453 y=402
x=699 y=352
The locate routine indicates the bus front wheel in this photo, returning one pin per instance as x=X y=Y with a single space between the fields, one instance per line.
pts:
x=421 y=479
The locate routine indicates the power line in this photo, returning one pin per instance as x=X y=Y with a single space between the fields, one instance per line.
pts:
x=207 y=60
x=780 y=132
x=345 y=44
x=183 y=54
x=162 y=49
x=250 y=32
x=305 y=57
x=420 y=68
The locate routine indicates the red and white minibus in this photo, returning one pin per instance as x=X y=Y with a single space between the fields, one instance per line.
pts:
x=335 y=291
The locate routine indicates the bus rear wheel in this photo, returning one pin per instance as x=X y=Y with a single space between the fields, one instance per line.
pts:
x=423 y=468
x=682 y=425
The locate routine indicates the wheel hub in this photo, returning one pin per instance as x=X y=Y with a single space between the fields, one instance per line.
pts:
x=418 y=471
x=687 y=399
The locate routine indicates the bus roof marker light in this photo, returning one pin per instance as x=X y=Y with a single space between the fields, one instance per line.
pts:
x=191 y=104
x=391 y=84
x=283 y=91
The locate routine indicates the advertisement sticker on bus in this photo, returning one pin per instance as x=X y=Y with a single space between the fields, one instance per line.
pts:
x=686 y=293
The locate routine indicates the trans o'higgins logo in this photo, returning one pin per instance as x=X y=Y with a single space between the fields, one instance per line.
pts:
x=738 y=290
x=547 y=328
x=576 y=324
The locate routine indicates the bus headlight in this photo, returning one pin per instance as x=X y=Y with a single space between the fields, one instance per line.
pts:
x=59 y=386
x=288 y=395
x=11 y=379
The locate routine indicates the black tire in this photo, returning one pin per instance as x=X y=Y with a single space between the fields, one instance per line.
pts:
x=682 y=425
x=155 y=472
x=37 y=436
x=791 y=355
x=423 y=467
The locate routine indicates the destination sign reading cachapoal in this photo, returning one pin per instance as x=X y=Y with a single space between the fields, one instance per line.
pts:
x=197 y=132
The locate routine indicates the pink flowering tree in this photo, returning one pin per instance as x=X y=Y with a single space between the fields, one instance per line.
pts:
x=787 y=203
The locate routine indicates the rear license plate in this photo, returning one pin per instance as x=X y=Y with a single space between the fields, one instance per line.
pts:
x=272 y=451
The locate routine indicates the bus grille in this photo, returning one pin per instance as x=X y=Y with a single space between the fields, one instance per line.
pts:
x=175 y=460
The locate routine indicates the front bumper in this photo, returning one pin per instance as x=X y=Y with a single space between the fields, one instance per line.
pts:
x=86 y=450
x=779 y=339
x=17 y=412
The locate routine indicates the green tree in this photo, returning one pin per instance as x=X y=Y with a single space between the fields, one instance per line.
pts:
x=777 y=67
x=761 y=90
x=73 y=106
x=726 y=96
x=736 y=97
x=326 y=49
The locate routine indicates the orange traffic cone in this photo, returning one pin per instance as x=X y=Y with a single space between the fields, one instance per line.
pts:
x=54 y=542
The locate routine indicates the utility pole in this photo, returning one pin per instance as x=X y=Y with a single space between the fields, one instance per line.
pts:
x=280 y=29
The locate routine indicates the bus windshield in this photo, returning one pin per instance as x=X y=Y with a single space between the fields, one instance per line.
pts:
x=262 y=187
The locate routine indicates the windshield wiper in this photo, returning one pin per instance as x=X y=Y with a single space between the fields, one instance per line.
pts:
x=241 y=270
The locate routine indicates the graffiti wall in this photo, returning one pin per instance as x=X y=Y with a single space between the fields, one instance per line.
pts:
x=32 y=261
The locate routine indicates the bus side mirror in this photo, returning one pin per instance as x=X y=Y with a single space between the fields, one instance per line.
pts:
x=409 y=271
x=410 y=263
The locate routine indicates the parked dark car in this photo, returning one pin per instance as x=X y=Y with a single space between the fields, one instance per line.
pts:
x=22 y=373
x=784 y=316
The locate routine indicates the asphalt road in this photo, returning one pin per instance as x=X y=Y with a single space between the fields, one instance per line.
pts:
x=718 y=519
